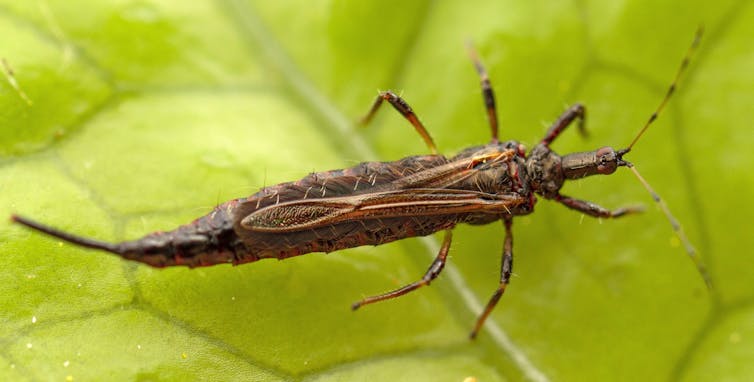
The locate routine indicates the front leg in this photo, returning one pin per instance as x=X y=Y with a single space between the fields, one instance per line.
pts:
x=595 y=210
x=576 y=111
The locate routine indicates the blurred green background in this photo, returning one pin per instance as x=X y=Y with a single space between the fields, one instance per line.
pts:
x=135 y=116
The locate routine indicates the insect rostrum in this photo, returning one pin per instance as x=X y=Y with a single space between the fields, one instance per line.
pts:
x=379 y=202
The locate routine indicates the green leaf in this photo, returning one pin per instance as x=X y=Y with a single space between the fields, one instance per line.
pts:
x=131 y=117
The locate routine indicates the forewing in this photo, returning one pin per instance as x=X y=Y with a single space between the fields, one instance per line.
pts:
x=313 y=214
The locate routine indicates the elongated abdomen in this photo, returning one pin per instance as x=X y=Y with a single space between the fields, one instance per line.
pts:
x=341 y=236
x=208 y=240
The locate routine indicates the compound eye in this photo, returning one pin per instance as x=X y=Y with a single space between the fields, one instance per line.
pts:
x=607 y=161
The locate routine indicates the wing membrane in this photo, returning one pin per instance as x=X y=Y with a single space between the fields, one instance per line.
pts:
x=317 y=213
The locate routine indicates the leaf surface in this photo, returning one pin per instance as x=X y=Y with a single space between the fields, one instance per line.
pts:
x=131 y=117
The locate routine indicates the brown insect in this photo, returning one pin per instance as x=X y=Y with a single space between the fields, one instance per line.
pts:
x=375 y=203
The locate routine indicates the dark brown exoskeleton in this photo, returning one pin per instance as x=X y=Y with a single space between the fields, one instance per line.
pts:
x=379 y=202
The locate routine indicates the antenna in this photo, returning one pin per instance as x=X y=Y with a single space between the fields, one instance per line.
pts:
x=690 y=250
x=671 y=89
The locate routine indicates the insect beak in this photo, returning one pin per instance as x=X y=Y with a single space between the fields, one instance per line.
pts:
x=619 y=155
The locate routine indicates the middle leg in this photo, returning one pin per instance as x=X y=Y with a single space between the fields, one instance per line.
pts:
x=505 y=276
x=487 y=93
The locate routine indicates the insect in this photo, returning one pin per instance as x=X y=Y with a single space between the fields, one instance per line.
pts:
x=375 y=203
